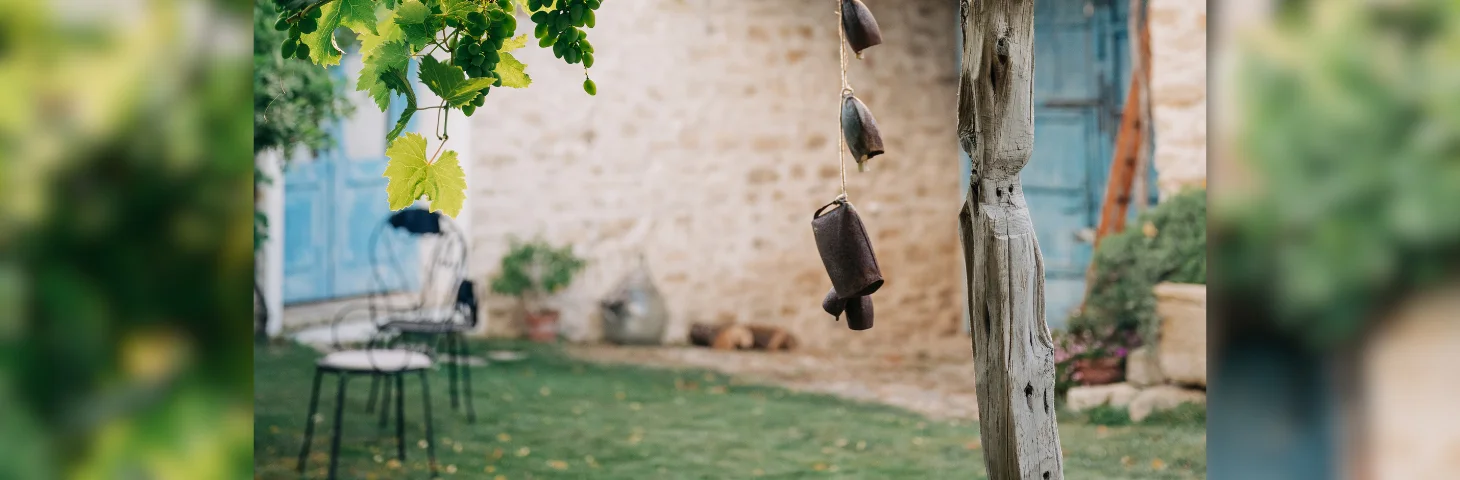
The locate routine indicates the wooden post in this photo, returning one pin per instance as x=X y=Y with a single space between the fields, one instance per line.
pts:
x=1013 y=351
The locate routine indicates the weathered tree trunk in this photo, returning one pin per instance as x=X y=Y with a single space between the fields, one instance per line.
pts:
x=1013 y=351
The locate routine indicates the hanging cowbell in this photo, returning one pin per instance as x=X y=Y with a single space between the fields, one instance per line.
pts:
x=833 y=304
x=861 y=28
x=846 y=250
x=860 y=129
x=859 y=313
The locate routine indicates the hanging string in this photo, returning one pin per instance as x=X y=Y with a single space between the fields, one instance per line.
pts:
x=846 y=91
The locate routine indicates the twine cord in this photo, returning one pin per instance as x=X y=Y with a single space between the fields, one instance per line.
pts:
x=845 y=92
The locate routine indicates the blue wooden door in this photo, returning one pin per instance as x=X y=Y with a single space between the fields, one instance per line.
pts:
x=1081 y=70
x=333 y=204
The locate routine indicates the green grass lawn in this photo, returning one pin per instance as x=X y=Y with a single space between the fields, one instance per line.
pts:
x=550 y=416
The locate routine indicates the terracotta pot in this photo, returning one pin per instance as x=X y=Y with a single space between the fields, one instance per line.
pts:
x=542 y=327
x=1099 y=371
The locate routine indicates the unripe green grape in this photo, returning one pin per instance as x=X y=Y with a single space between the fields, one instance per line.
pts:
x=587 y=47
x=589 y=87
x=308 y=25
x=589 y=20
x=302 y=52
x=287 y=49
x=547 y=41
x=587 y=60
x=571 y=55
x=315 y=13
x=558 y=49
x=561 y=22
x=476 y=18
x=451 y=43
x=541 y=31
x=593 y=4
x=539 y=17
x=492 y=57
x=468 y=109
x=575 y=15
x=281 y=25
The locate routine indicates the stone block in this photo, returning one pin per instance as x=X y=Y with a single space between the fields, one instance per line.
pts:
x=1162 y=398
x=1085 y=398
x=1182 y=349
x=1143 y=367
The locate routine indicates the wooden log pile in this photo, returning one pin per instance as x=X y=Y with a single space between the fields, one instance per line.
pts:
x=742 y=337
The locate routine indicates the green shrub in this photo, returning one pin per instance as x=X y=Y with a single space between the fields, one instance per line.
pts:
x=532 y=271
x=1166 y=244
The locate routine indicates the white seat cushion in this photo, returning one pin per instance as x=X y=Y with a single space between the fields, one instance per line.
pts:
x=378 y=360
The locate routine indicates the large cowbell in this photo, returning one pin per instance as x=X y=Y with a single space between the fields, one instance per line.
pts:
x=846 y=250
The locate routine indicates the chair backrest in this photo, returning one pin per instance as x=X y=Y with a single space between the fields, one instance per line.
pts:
x=445 y=260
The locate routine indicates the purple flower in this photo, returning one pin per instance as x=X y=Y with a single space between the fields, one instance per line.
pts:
x=1120 y=352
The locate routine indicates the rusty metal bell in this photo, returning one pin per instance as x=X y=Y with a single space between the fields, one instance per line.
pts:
x=846 y=250
x=860 y=130
x=833 y=304
x=860 y=26
x=859 y=313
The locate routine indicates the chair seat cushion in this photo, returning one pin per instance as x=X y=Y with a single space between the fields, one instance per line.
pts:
x=377 y=360
x=418 y=326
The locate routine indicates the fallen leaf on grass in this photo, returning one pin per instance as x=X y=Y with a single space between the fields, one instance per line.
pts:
x=1157 y=464
x=545 y=391
x=1127 y=462
x=973 y=445
x=819 y=466
x=557 y=464
x=451 y=469
x=504 y=437
x=524 y=451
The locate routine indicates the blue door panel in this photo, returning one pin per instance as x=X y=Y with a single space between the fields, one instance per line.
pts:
x=335 y=203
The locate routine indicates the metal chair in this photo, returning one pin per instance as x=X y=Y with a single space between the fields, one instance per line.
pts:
x=433 y=316
x=390 y=364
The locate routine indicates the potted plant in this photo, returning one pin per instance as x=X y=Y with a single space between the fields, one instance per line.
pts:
x=533 y=272
x=1086 y=356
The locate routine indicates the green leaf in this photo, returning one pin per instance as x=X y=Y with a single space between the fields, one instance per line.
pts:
x=410 y=175
x=321 y=42
x=386 y=32
x=513 y=72
x=411 y=17
x=358 y=15
x=396 y=80
x=514 y=43
x=385 y=59
x=457 y=8
x=450 y=83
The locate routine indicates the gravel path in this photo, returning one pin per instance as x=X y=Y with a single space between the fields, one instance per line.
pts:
x=934 y=379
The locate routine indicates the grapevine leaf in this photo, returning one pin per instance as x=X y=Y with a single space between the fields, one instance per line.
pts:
x=409 y=176
x=396 y=80
x=387 y=31
x=411 y=17
x=383 y=60
x=514 y=43
x=358 y=15
x=321 y=41
x=457 y=8
x=513 y=72
x=450 y=83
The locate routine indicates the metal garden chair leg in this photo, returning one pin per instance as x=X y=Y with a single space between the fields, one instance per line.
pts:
x=374 y=389
x=384 y=399
x=430 y=435
x=471 y=410
x=309 y=420
x=451 y=350
x=339 y=426
x=400 y=416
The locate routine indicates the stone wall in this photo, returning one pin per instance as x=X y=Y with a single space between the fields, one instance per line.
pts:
x=1179 y=92
x=710 y=143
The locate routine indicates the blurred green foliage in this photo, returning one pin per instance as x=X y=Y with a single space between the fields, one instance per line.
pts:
x=532 y=270
x=124 y=255
x=1166 y=244
x=294 y=101
x=1349 y=126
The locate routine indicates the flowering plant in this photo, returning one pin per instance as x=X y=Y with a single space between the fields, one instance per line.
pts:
x=1079 y=346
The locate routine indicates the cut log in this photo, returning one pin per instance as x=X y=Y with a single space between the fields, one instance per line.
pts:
x=721 y=337
x=772 y=338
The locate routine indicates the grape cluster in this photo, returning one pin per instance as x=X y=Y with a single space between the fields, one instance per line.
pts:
x=306 y=24
x=474 y=49
x=561 y=28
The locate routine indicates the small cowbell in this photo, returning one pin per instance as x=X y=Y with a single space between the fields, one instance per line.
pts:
x=846 y=250
x=833 y=304
x=863 y=139
x=861 y=28
x=859 y=313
